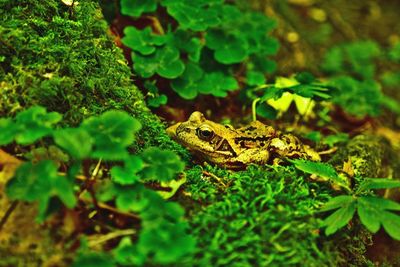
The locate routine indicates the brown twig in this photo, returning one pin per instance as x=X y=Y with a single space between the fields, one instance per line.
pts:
x=219 y=180
x=8 y=213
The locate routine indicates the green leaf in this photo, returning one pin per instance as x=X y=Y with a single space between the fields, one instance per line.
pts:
x=193 y=15
x=76 y=141
x=271 y=93
x=136 y=8
x=126 y=253
x=187 y=86
x=333 y=139
x=323 y=170
x=93 y=259
x=373 y=212
x=394 y=53
x=314 y=136
x=128 y=174
x=165 y=62
x=305 y=77
x=254 y=78
x=157 y=101
x=339 y=218
x=337 y=202
x=136 y=198
x=8 y=131
x=266 y=111
x=391 y=223
x=35 y=123
x=40 y=182
x=160 y=165
x=188 y=43
x=217 y=84
x=358 y=98
x=167 y=243
x=369 y=214
x=229 y=49
x=143 y=41
x=32 y=181
x=333 y=60
x=112 y=132
x=315 y=91
x=377 y=183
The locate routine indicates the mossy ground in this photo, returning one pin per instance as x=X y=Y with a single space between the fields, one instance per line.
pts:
x=63 y=58
x=266 y=217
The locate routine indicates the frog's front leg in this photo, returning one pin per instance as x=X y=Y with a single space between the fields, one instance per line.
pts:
x=253 y=155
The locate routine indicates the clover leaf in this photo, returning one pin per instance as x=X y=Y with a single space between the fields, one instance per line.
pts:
x=229 y=49
x=90 y=259
x=126 y=253
x=165 y=61
x=136 y=8
x=143 y=41
x=187 y=85
x=8 y=130
x=128 y=173
x=187 y=43
x=167 y=242
x=217 y=84
x=160 y=165
x=112 y=132
x=35 y=123
x=76 y=141
x=254 y=78
x=194 y=15
x=40 y=182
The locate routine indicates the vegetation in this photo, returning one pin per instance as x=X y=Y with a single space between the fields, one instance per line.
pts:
x=83 y=156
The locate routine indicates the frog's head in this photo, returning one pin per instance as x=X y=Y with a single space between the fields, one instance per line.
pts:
x=203 y=137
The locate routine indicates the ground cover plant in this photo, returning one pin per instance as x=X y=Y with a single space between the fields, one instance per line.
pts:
x=89 y=176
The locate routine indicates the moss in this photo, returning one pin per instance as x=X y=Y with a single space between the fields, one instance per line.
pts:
x=62 y=58
x=268 y=217
x=371 y=156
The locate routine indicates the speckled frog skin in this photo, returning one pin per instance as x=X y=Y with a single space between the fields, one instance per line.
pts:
x=236 y=148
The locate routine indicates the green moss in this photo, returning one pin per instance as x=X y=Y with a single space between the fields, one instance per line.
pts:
x=268 y=217
x=369 y=156
x=62 y=58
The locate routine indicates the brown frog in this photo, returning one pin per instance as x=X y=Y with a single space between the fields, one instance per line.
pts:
x=235 y=148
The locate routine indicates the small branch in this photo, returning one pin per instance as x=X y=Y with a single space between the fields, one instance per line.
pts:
x=105 y=206
x=219 y=180
x=8 y=213
x=95 y=240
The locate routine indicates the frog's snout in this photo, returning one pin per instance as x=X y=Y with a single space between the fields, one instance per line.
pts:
x=172 y=130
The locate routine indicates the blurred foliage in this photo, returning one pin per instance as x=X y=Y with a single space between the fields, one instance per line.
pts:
x=353 y=71
x=201 y=46
x=162 y=238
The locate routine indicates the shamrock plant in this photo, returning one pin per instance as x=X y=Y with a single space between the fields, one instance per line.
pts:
x=199 y=46
x=372 y=210
x=101 y=140
x=271 y=99
x=357 y=79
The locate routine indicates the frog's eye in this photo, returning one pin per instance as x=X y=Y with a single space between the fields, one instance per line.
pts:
x=205 y=133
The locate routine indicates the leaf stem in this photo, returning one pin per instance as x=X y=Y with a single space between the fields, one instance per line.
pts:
x=253 y=108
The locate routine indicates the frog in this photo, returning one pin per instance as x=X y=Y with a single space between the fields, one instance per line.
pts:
x=236 y=148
